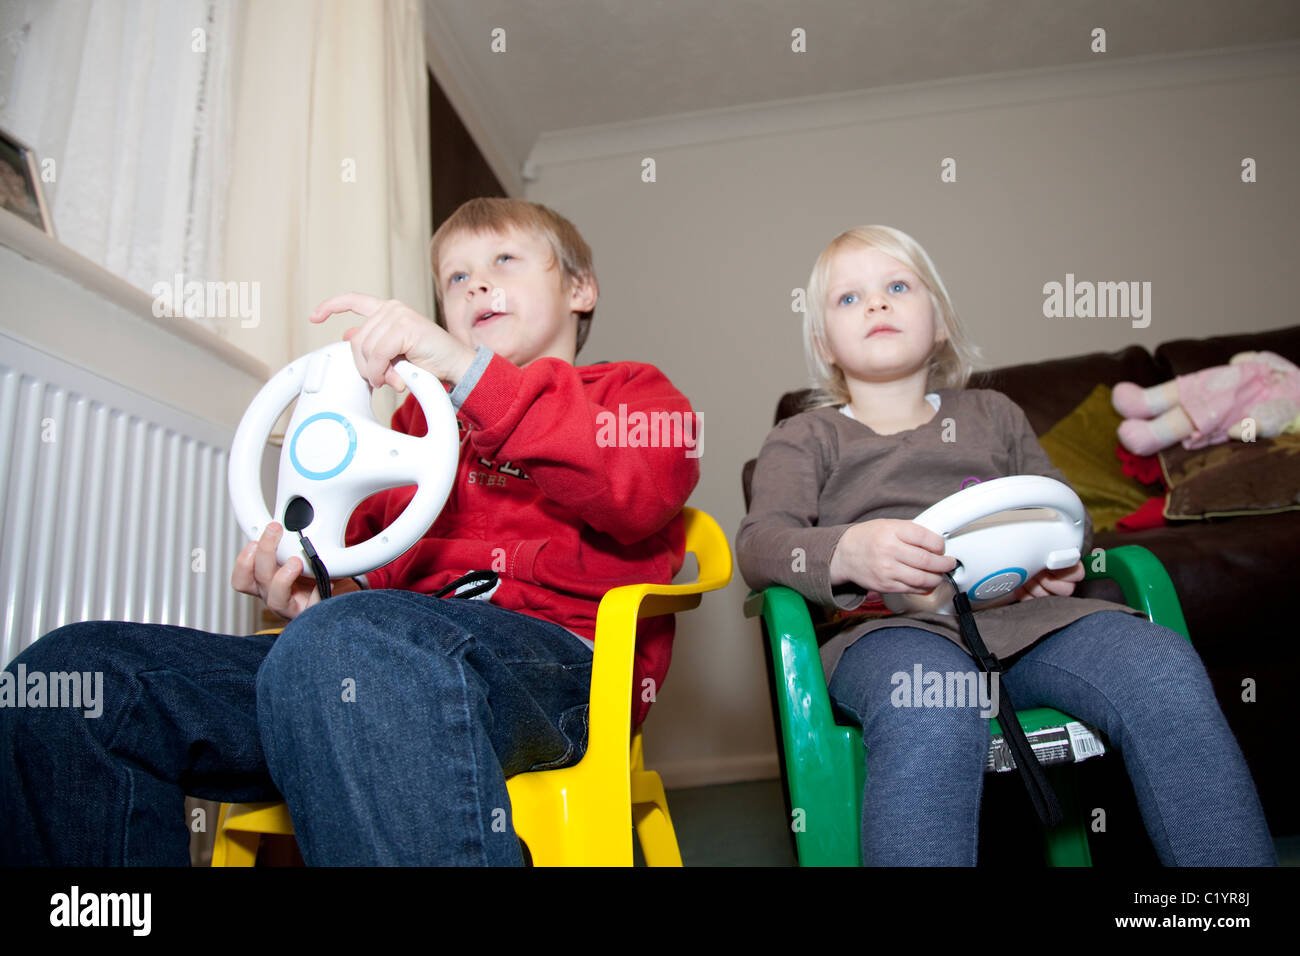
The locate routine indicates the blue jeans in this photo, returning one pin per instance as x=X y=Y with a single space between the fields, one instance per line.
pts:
x=388 y=720
x=1141 y=684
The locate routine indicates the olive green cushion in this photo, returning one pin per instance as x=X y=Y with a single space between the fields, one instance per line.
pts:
x=1082 y=445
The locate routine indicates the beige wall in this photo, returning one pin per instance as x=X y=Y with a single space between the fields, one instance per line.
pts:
x=1124 y=172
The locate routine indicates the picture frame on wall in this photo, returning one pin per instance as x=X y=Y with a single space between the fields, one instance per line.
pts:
x=20 y=186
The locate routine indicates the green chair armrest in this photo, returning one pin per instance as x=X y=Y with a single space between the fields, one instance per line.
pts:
x=1144 y=582
x=824 y=766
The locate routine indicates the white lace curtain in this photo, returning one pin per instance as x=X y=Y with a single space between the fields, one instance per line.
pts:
x=130 y=100
x=279 y=143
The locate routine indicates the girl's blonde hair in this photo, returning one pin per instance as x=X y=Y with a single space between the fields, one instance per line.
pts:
x=951 y=363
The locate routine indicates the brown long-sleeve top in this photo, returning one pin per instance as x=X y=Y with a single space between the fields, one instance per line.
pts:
x=822 y=471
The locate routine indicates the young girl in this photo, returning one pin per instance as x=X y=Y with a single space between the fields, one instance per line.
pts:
x=891 y=431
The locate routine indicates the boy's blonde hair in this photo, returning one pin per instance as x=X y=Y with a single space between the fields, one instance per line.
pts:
x=951 y=363
x=493 y=214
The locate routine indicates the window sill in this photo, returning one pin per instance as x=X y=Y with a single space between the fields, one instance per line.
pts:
x=34 y=244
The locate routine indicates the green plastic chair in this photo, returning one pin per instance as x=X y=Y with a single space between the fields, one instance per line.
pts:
x=823 y=761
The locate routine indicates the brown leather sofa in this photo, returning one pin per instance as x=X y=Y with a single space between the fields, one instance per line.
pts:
x=1238 y=578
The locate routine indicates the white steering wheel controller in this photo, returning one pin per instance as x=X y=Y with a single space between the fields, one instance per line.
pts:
x=335 y=455
x=1002 y=532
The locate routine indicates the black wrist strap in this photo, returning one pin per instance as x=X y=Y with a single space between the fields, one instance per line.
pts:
x=483 y=581
x=1031 y=771
x=317 y=567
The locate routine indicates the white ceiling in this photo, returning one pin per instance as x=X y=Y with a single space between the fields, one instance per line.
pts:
x=579 y=63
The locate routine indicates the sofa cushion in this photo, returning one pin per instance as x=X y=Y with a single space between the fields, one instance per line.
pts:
x=1048 y=391
x=791 y=404
x=1183 y=356
x=1233 y=478
x=1232 y=576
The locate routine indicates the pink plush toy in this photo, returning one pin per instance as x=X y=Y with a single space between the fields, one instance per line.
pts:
x=1210 y=406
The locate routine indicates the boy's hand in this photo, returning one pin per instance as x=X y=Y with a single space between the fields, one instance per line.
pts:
x=284 y=588
x=393 y=331
x=1046 y=583
x=891 y=556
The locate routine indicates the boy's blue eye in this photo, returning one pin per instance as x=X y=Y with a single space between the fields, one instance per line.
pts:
x=460 y=275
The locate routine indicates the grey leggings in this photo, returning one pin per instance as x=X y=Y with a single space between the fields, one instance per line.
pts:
x=1142 y=684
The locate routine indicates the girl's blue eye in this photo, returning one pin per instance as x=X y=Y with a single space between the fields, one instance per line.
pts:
x=504 y=255
x=844 y=299
x=898 y=282
x=454 y=277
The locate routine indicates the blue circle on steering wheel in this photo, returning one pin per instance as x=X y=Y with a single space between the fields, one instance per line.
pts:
x=347 y=457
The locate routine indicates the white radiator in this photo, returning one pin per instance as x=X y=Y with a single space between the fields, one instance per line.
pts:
x=113 y=506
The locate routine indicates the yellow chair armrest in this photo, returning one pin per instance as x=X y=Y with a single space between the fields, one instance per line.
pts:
x=610 y=713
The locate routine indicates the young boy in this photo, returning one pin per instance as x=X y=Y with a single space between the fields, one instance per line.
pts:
x=387 y=718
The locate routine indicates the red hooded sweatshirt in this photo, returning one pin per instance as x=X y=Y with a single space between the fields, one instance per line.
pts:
x=562 y=491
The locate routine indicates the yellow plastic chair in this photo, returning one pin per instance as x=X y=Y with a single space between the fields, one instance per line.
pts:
x=582 y=815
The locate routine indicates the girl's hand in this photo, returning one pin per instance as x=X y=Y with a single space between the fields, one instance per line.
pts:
x=891 y=556
x=285 y=588
x=395 y=331
x=1047 y=582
